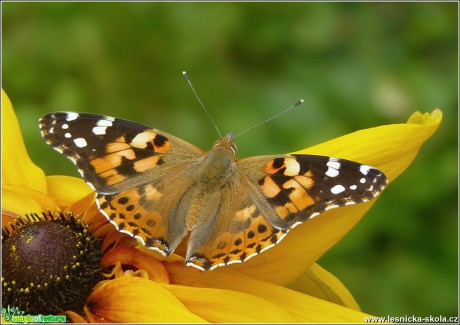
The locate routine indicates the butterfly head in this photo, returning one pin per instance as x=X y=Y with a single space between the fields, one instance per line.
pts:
x=227 y=144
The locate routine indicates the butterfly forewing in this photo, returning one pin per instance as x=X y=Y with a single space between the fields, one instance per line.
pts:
x=299 y=187
x=112 y=154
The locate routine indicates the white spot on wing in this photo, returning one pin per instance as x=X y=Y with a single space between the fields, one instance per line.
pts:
x=71 y=116
x=353 y=187
x=334 y=166
x=333 y=163
x=80 y=142
x=99 y=130
x=292 y=167
x=337 y=189
x=330 y=207
x=362 y=180
x=65 y=126
x=364 y=169
x=68 y=135
x=141 y=140
x=57 y=148
x=104 y=122
x=331 y=172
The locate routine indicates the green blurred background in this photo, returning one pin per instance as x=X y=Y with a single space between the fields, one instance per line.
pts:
x=357 y=65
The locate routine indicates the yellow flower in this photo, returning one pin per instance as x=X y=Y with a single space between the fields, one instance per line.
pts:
x=33 y=275
x=281 y=285
x=390 y=148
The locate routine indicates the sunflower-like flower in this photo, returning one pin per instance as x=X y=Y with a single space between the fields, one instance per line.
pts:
x=282 y=285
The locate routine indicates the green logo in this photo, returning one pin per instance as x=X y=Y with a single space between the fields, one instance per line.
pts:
x=15 y=315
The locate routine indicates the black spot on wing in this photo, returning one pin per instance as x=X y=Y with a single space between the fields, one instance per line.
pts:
x=159 y=140
x=261 y=228
x=218 y=256
x=149 y=146
x=235 y=251
x=123 y=200
x=278 y=163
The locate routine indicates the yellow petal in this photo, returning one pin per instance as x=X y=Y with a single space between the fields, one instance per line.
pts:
x=74 y=317
x=66 y=190
x=303 y=246
x=19 y=200
x=136 y=300
x=17 y=168
x=136 y=258
x=86 y=208
x=301 y=307
x=319 y=283
x=14 y=204
x=227 y=306
x=390 y=148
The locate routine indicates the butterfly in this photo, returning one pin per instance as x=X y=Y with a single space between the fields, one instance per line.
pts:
x=158 y=188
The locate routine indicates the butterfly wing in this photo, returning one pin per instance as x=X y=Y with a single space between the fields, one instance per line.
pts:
x=300 y=187
x=273 y=194
x=130 y=167
x=113 y=154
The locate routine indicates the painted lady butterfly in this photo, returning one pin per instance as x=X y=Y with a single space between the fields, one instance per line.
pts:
x=158 y=188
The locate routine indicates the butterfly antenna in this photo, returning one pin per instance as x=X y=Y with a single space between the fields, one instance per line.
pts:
x=300 y=101
x=187 y=78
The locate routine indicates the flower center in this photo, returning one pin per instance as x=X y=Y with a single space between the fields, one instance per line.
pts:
x=50 y=264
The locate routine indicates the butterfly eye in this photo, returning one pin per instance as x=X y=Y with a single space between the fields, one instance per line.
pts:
x=225 y=143
x=233 y=148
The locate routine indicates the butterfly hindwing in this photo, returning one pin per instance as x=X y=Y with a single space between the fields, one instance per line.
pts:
x=234 y=231
x=148 y=213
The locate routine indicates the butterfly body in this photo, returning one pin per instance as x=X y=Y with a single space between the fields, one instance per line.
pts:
x=217 y=165
x=159 y=188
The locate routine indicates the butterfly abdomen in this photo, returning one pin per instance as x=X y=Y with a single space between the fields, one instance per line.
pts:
x=211 y=173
